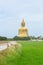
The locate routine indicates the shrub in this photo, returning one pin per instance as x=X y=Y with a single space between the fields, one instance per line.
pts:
x=21 y=38
x=3 y=38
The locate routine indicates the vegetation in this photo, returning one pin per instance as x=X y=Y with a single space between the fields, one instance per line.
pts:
x=3 y=38
x=21 y=38
x=37 y=38
x=10 y=56
x=30 y=53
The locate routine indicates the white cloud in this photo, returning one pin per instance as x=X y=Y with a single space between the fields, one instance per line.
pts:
x=37 y=17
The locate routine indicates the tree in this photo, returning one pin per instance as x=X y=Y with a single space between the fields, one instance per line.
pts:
x=21 y=38
x=3 y=38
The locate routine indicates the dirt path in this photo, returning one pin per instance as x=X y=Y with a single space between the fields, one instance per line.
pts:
x=5 y=45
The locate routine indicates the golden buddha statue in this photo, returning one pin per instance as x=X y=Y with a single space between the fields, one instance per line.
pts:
x=23 y=32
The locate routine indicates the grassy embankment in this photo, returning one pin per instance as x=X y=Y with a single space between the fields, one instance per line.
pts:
x=31 y=53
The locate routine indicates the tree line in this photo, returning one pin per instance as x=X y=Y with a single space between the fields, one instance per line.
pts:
x=21 y=38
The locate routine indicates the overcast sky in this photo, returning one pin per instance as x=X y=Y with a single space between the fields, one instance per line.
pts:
x=12 y=12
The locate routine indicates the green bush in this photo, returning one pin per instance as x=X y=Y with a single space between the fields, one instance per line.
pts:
x=3 y=38
x=21 y=38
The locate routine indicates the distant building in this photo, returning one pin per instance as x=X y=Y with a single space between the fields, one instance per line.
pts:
x=23 y=31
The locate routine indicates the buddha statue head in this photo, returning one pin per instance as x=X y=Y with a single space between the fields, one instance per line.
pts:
x=23 y=23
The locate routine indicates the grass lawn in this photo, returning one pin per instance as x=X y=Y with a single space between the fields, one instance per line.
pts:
x=31 y=53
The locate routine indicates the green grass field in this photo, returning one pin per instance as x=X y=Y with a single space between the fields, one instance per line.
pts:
x=30 y=53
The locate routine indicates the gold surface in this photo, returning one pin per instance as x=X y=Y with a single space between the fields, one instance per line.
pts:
x=22 y=32
x=23 y=23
